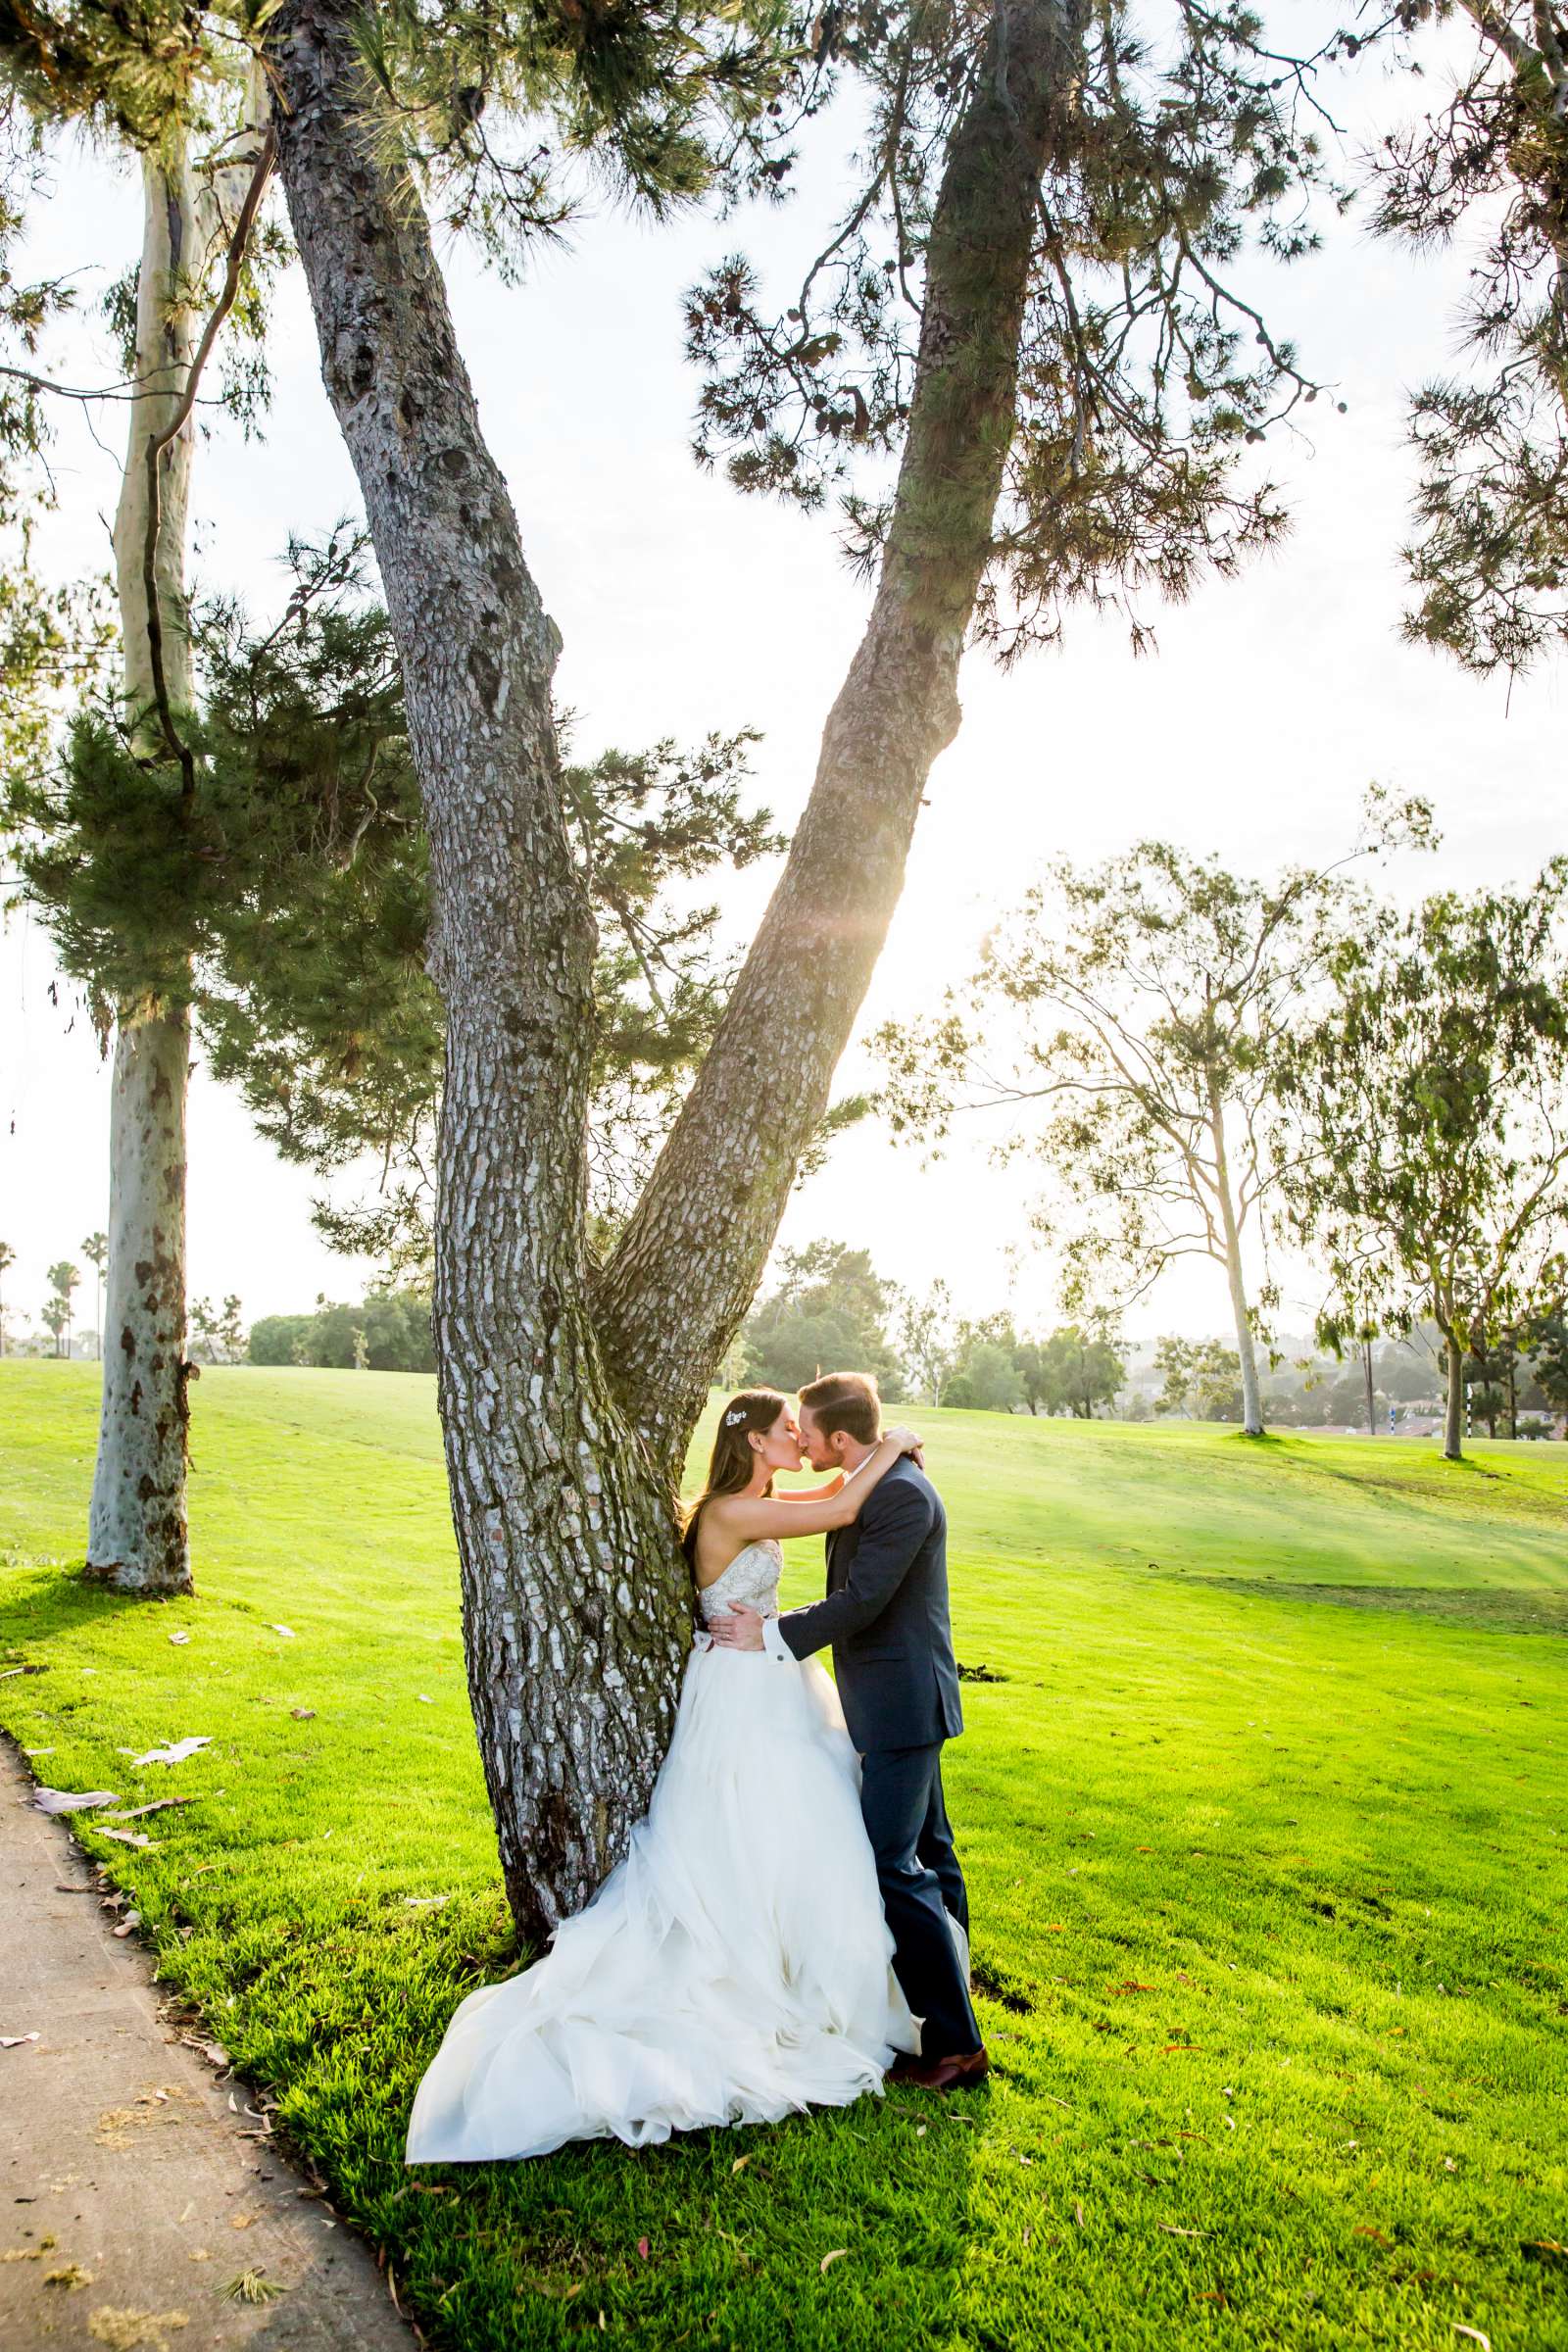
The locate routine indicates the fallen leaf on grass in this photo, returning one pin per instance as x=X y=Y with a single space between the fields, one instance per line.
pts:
x=128 y=1837
x=1173 y=2229
x=37 y=1752
x=642 y=2248
x=62 y=1800
x=1173 y=2049
x=14 y=2042
x=1078 y=2214
x=288 y=1631
x=303 y=1714
x=178 y=1638
x=1543 y=2249
x=1474 y=2333
x=837 y=2255
x=175 y=1752
x=160 y=1804
x=1364 y=2230
x=740 y=2164
x=132 y=1919
x=423 y=1699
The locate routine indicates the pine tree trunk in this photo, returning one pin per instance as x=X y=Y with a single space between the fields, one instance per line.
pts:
x=562 y=1465
x=577 y=1600
x=1454 y=1408
x=687 y=1266
x=136 y=1540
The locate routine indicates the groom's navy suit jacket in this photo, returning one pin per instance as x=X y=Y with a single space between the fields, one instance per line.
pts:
x=886 y=1617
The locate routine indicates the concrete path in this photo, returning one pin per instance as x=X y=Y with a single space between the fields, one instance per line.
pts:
x=129 y=2200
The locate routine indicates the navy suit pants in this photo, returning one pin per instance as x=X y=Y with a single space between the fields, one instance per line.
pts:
x=922 y=1883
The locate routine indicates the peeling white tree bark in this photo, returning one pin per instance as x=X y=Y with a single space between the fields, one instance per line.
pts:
x=136 y=1537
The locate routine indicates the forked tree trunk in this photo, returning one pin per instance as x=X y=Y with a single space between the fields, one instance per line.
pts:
x=136 y=1532
x=1235 y=1279
x=561 y=1458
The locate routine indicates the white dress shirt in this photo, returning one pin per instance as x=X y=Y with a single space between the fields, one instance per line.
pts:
x=773 y=1642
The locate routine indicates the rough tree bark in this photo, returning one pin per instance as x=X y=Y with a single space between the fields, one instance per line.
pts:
x=576 y=1606
x=136 y=1531
x=688 y=1263
x=568 y=1401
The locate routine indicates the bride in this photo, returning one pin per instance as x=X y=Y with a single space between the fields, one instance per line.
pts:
x=736 y=1965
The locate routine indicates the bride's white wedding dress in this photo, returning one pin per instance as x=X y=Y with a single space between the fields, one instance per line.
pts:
x=733 y=1968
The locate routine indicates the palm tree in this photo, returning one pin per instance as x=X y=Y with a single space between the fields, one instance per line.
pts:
x=64 y=1277
x=95 y=1249
x=8 y=1257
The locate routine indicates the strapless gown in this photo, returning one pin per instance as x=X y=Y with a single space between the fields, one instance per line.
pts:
x=735 y=1967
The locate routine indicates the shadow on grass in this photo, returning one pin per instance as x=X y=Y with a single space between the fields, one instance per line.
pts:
x=1506 y=1610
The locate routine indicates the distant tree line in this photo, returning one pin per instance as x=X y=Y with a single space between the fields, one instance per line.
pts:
x=1207 y=1062
x=828 y=1309
x=388 y=1331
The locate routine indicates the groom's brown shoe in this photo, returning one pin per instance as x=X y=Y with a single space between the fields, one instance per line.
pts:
x=941 y=2074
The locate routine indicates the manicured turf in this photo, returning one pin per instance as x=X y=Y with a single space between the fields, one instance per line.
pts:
x=1264 y=1823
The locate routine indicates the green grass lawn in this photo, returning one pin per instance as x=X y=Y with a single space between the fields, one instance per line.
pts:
x=1265 y=1824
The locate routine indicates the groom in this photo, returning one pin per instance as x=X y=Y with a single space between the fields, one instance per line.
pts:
x=886 y=1616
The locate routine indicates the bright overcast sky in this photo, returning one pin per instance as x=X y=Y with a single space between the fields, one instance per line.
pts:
x=1270 y=704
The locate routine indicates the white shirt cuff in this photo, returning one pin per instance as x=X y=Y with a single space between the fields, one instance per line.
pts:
x=774 y=1643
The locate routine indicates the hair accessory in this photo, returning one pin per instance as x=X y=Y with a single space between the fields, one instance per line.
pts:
x=733 y=1420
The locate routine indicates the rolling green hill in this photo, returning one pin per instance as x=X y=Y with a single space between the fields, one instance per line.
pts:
x=1262 y=1803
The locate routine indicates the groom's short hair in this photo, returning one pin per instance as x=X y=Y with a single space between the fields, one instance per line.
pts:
x=846 y=1400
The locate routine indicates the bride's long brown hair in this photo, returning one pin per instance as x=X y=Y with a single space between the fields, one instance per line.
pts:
x=732 y=1463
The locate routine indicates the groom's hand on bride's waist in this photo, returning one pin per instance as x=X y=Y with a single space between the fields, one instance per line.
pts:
x=742 y=1628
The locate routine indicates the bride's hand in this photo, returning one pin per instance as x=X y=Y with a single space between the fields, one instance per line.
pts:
x=907 y=1441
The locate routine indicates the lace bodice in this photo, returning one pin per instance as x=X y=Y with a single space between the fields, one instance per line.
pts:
x=751 y=1577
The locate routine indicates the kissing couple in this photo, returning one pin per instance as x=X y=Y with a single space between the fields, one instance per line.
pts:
x=789 y=1927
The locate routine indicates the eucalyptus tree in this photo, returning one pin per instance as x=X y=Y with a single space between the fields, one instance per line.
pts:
x=1130 y=1016
x=8 y=1259
x=187 y=110
x=1024 y=321
x=1489 y=561
x=929 y=1338
x=1429 y=1105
